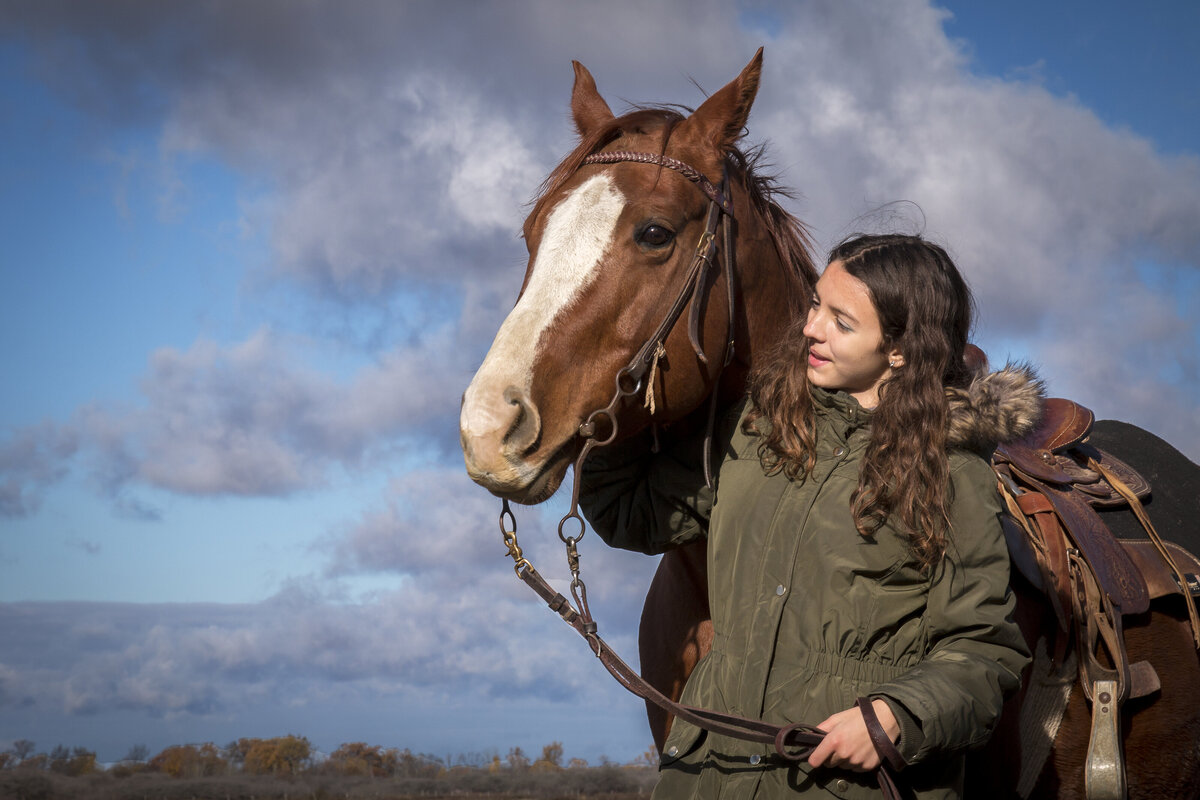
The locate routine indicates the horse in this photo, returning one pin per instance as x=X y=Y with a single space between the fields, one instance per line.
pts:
x=587 y=303
x=610 y=240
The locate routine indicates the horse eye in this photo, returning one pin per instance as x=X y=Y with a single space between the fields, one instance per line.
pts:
x=655 y=236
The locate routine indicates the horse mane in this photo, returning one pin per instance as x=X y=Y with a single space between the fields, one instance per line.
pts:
x=789 y=235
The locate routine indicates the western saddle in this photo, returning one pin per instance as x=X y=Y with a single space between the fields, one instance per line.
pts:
x=1053 y=481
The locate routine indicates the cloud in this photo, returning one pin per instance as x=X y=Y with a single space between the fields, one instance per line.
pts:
x=435 y=526
x=1053 y=216
x=431 y=520
x=385 y=150
x=433 y=634
x=387 y=155
x=252 y=419
x=31 y=459
x=392 y=166
x=249 y=419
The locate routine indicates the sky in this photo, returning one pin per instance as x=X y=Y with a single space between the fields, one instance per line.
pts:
x=253 y=253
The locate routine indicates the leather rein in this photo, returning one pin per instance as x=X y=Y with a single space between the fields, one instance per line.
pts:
x=792 y=742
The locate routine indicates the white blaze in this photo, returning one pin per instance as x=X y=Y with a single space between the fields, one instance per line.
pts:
x=577 y=235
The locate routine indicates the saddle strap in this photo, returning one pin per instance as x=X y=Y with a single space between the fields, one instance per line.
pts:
x=1140 y=512
x=1047 y=536
x=1054 y=542
x=1097 y=624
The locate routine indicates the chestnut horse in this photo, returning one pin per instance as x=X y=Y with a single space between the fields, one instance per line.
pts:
x=608 y=249
x=609 y=244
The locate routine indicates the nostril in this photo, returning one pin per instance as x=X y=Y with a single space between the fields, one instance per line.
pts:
x=525 y=430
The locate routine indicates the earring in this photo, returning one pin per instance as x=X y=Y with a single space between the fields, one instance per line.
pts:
x=892 y=363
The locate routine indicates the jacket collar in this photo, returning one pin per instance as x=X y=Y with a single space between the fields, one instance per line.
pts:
x=995 y=407
x=840 y=409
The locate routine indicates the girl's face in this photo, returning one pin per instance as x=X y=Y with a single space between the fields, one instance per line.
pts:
x=845 y=341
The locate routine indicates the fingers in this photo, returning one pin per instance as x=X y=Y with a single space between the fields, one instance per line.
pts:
x=846 y=745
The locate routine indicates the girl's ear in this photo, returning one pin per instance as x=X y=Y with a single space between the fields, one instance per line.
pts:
x=895 y=358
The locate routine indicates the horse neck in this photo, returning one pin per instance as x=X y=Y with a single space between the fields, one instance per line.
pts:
x=772 y=293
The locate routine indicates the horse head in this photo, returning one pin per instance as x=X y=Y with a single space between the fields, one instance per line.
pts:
x=610 y=246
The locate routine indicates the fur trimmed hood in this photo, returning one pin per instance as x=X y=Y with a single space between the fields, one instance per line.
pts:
x=996 y=407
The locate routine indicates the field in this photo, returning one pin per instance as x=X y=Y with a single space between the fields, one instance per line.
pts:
x=599 y=783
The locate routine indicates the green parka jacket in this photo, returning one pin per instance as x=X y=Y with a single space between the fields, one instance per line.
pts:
x=809 y=615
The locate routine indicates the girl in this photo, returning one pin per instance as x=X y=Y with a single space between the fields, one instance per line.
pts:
x=854 y=541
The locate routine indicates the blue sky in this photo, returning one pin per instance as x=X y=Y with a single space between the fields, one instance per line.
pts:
x=254 y=253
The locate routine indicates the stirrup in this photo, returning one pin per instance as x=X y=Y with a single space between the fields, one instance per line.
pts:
x=1104 y=771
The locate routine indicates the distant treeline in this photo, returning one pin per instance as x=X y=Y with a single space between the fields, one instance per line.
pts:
x=287 y=768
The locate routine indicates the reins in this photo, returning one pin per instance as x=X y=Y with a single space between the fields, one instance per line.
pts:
x=792 y=742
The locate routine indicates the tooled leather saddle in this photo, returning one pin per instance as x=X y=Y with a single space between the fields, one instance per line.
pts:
x=1052 y=481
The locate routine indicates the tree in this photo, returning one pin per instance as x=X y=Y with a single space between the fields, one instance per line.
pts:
x=39 y=761
x=553 y=753
x=358 y=758
x=137 y=753
x=419 y=765
x=59 y=757
x=189 y=761
x=517 y=760
x=283 y=755
x=22 y=749
x=74 y=762
x=235 y=751
x=647 y=759
x=82 y=762
x=178 y=761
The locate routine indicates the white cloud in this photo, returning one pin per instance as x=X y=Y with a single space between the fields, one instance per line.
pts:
x=253 y=419
x=250 y=419
x=1046 y=209
x=387 y=146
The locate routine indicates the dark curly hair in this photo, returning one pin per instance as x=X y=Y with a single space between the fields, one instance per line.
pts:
x=925 y=311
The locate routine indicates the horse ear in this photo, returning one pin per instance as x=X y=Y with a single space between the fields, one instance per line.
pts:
x=721 y=119
x=587 y=106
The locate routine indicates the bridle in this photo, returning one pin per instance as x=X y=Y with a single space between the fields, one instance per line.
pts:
x=793 y=742
x=639 y=372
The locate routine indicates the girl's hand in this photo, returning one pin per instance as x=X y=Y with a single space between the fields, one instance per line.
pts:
x=847 y=744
